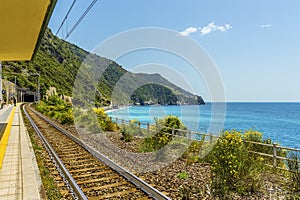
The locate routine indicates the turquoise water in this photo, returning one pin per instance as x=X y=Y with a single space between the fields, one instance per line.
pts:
x=278 y=121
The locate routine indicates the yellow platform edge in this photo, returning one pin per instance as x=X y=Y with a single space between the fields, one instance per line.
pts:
x=4 y=140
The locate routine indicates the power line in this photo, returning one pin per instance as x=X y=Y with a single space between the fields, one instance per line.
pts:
x=81 y=18
x=62 y=23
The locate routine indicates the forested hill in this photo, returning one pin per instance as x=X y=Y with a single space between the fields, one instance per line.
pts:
x=58 y=61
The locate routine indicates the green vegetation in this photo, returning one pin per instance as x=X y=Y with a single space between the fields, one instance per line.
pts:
x=87 y=119
x=49 y=189
x=154 y=94
x=294 y=175
x=131 y=130
x=182 y=95
x=256 y=136
x=95 y=120
x=183 y=175
x=56 y=108
x=104 y=121
x=58 y=61
x=163 y=133
x=234 y=168
x=237 y=171
x=191 y=155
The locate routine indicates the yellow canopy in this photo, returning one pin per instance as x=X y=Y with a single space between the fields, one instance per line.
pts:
x=22 y=25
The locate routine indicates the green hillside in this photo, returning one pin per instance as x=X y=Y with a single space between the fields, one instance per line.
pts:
x=58 y=62
x=154 y=94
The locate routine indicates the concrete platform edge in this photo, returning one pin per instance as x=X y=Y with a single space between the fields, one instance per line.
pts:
x=4 y=139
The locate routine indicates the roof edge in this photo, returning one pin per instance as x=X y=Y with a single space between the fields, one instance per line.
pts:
x=44 y=26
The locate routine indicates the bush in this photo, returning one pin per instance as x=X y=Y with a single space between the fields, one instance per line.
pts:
x=164 y=135
x=256 y=136
x=294 y=174
x=234 y=170
x=66 y=118
x=104 y=121
x=191 y=155
x=147 y=145
x=126 y=136
x=56 y=108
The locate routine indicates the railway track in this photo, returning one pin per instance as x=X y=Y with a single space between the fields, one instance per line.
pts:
x=86 y=173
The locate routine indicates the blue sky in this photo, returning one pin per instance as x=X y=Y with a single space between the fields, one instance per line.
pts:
x=254 y=44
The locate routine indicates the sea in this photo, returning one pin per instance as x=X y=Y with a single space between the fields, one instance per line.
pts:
x=278 y=121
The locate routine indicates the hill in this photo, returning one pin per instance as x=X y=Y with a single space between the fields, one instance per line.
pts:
x=58 y=61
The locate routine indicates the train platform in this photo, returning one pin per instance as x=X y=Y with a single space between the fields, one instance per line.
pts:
x=19 y=174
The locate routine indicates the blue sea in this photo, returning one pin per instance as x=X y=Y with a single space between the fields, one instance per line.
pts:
x=278 y=121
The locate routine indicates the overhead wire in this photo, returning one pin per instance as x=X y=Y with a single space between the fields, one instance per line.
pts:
x=81 y=18
x=65 y=18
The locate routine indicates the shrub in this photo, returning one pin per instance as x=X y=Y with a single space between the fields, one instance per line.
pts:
x=192 y=153
x=253 y=135
x=164 y=135
x=147 y=145
x=56 y=108
x=256 y=136
x=233 y=169
x=67 y=118
x=104 y=121
x=293 y=165
x=126 y=136
x=133 y=129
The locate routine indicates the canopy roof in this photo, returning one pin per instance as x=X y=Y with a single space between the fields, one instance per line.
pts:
x=23 y=23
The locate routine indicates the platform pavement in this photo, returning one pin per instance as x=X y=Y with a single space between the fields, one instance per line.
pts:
x=19 y=174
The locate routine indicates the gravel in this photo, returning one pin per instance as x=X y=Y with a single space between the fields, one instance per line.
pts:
x=165 y=174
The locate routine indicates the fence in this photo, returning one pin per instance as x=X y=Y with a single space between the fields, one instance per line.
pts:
x=139 y=124
x=274 y=155
x=193 y=135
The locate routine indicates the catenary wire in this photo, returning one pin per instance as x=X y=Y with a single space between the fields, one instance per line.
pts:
x=81 y=18
x=66 y=17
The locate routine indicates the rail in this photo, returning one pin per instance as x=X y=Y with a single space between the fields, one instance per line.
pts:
x=197 y=135
x=74 y=187
x=148 y=189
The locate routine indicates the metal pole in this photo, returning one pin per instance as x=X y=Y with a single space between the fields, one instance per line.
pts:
x=15 y=93
x=39 y=95
x=1 y=97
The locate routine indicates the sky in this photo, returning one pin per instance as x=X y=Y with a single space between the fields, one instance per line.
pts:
x=254 y=45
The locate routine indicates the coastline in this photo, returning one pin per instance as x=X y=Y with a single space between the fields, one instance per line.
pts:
x=278 y=121
x=110 y=110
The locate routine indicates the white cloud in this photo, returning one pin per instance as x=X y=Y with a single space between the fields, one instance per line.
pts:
x=188 y=31
x=228 y=26
x=266 y=25
x=206 y=29
x=213 y=27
